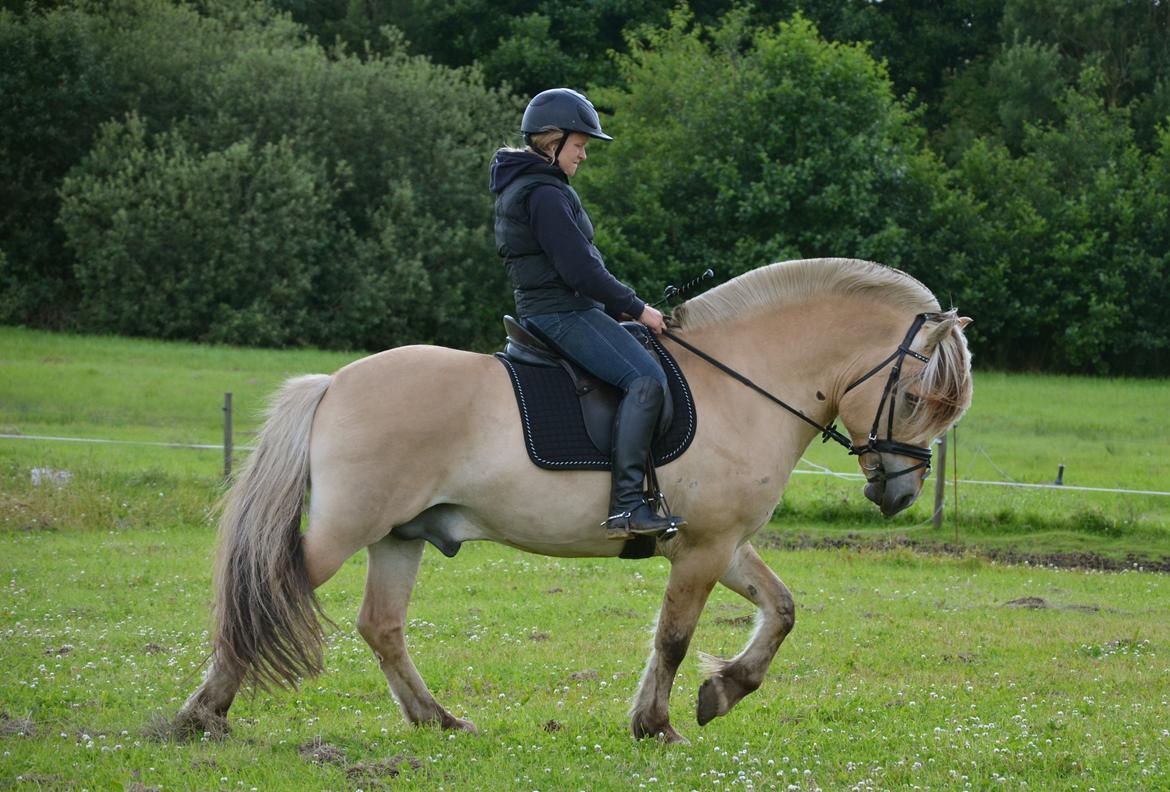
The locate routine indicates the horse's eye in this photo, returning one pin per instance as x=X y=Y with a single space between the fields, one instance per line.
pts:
x=911 y=400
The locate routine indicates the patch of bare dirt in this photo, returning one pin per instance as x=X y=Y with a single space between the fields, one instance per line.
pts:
x=320 y=752
x=1034 y=603
x=369 y=775
x=16 y=727
x=1069 y=560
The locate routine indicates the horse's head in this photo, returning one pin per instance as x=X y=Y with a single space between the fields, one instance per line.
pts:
x=895 y=409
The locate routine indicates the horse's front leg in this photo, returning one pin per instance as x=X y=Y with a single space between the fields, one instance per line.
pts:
x=393 y=567
x=693 y=573
x=731 y=680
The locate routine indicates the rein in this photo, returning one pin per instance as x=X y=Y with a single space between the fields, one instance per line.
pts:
x=829 y=431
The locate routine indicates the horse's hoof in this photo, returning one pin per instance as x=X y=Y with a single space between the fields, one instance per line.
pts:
x=665 y=733
x=711 y=703
x=451 y=723
x=669 y=736
x=193 y=723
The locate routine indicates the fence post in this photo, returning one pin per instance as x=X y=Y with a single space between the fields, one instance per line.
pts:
x=940 y=483
x=227 y=437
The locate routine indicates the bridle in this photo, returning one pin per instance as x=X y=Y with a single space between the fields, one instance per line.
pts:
x=874 y=444
x=888 y=444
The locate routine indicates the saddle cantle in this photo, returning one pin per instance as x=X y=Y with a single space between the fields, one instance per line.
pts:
x=568 y=414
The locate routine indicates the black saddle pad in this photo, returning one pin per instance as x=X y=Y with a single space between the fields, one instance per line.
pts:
x=554 y=431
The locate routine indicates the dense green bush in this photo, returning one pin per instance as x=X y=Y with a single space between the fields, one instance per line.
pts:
x=56 y=88
x=1077 y=244
x=264 y=191
x=218 y=246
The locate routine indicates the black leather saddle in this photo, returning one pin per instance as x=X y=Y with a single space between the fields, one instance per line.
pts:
x=563 y=432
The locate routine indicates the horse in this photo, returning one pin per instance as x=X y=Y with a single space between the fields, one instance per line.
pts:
x=419 y=440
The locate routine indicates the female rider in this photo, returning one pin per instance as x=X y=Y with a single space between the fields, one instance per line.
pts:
x=564 y=292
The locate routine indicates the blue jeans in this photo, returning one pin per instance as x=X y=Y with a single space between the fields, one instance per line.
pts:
x=601 y=346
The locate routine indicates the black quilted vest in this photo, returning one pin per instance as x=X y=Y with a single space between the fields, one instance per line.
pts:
x=537 y=286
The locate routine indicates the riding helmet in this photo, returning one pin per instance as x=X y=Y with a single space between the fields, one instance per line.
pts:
x=562 y=108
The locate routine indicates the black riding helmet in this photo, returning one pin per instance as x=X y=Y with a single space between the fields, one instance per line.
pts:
x=563 y=109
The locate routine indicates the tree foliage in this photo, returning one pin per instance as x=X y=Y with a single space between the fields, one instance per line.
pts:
x=266 y=192
x=285 y=172
x=736 y=146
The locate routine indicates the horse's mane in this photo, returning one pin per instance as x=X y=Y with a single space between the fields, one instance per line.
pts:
x=788 y=281
x=944 y=383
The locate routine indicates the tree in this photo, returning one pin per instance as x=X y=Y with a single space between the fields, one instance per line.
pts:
x=736 y=146
x=357 y=186
x=1077 y=227
x=57 y=88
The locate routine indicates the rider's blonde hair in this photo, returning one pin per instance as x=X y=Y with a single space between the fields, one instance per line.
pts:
x=545 y=143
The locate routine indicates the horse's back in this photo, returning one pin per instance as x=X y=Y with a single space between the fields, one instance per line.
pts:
x=410 y=414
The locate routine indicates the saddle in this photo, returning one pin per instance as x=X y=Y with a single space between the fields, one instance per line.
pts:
x=568 y=413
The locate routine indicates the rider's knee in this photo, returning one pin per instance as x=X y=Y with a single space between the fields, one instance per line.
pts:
x=648 y=390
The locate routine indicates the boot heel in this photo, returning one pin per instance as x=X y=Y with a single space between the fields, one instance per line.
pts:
x=617 y=527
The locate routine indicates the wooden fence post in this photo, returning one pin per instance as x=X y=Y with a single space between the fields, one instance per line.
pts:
x=227 y=437
x=940 y=483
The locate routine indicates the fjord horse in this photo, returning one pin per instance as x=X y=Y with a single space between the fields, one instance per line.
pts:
x=421 y=439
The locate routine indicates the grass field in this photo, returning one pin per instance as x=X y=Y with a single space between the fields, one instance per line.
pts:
x=904 y=670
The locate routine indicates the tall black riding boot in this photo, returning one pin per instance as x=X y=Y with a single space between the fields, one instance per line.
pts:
x=637 y=416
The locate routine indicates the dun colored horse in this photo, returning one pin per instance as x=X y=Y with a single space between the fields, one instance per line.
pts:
x=428 y=440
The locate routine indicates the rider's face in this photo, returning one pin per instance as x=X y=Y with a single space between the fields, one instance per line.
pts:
x=573 y=153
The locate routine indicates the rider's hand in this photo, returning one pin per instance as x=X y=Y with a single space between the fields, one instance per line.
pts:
x=652 y=318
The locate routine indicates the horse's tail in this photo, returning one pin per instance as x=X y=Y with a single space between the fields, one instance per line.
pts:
x=267 y=625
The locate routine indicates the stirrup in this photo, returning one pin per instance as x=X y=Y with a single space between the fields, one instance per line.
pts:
x=618 y=528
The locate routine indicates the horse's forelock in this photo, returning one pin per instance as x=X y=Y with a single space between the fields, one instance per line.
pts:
x=944 y=383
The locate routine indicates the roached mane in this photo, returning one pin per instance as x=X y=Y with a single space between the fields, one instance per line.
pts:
x=944 y=383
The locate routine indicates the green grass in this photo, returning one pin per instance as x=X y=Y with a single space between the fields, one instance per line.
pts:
x=1021 y=428
x=903 y=670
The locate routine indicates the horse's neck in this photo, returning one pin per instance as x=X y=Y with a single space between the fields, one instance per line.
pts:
x=813 y=346
x=804 y=354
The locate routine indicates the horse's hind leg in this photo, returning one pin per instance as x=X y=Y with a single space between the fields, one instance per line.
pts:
x=393 y=566
x=731 y=680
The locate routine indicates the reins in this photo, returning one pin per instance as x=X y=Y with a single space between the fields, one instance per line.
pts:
x=829 y=431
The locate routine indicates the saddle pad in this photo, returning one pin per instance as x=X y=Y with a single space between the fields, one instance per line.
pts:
x=554 y=431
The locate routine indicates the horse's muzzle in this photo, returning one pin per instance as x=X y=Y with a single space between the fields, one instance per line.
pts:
x=894 y=493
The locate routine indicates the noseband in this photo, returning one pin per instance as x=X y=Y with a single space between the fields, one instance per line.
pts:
x=830 y=431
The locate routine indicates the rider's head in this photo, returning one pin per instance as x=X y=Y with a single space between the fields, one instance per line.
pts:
x=552 y=118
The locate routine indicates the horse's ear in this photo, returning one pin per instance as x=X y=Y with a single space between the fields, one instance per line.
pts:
x=940 y=330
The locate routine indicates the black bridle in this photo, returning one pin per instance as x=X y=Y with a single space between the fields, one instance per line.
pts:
x=829 y=432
